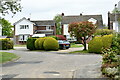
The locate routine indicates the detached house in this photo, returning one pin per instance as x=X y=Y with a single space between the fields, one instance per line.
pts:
x=25 y=28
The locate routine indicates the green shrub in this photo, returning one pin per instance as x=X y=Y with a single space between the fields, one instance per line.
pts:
x=39 y=43
x=103 y=32
x=50 y=44
x=95 y=45
x=55 y=37
x=30 y=43
x=6 y=44
x=100 y=42
x=107 y=40
x=116 y=43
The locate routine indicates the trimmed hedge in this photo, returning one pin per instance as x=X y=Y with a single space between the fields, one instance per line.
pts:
x=50 y=44
x=6 y=44
x=39 y=43
x=30 y=43
x=95 y=45
x=98 y=43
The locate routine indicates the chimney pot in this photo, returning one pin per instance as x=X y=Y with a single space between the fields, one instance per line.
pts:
x=62 y=14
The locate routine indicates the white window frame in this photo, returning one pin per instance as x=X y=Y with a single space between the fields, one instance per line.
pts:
x=48 y=27
x=23 y=37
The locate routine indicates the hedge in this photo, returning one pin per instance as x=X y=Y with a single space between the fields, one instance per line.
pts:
x=50 y=44
x=30 y=43
x=98 y=43
x=6 y=44
x=39 y=43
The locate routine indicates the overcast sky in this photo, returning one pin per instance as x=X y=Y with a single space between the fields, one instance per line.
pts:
x=47 y=9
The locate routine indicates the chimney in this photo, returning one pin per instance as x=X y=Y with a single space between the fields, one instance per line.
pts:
x=62 y=14
x=80 y=14
x=29 y=19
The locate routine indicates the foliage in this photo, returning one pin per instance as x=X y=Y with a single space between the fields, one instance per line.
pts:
x=6 y=27
x=115 y=10
x=50 y=44
x=100 y=42
x=39 y=43
x=54 y=37
x=58 y=19
x=116 y=43
x=60 y=37
x=110 y=63
x=109 y=56
x=82 y=30
x=7 y=6
x=5 y=56
x=95 y=45
x=6 y=44
x=107 y=40
x=30 y=43
x=103 y=32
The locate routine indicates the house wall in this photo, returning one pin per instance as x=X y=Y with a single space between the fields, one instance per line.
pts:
x=65 y=29
x=116 y=26
x=19 y=31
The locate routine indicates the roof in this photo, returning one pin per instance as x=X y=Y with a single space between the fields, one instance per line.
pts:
x=112 y=16
x=78 y=18
x=44 y=22
x=22 y=20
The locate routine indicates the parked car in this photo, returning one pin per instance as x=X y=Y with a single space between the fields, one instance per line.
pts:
x=63 y=44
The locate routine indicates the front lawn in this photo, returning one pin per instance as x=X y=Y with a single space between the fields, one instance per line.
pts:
x=5 y=56
x=76 y=45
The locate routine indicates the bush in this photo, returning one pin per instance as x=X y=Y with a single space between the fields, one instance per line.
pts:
x=107 y=40
x=30 y=43
x=98 y=43
x=103 y=32
x=55 y=37
x=95 y=45
x=50 y=44
x=116 y=44
x=6 y=44
x=39 y=43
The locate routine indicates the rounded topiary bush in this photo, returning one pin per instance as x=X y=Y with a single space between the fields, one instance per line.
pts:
x=50 y=44
x=6 y=43
x=95 y=45
x=30 y=43
x=39 y=43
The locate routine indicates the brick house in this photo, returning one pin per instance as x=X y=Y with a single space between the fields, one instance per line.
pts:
x=25 y=28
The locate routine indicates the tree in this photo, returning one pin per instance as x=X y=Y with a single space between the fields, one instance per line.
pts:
x=6 y=27
x=7 y=6
x=58 y=19
x=115 y=10
x=82 y=30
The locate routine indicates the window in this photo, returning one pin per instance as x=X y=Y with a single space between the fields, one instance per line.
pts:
x=48 y=27
x=24 y=26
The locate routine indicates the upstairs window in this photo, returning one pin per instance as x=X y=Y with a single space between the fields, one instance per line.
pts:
x=48 y=27
x=24 y=26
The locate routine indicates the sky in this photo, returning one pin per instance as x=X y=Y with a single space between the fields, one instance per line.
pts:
x=47 y=9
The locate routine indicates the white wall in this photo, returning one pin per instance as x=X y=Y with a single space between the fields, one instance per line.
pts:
x=19 y=31
x=116 y=26
x=65 y=26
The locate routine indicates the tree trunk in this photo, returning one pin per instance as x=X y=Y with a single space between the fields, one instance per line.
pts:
x=84 y=44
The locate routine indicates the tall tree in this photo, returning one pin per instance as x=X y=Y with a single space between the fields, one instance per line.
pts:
x=7 y=6
x=6 y=27
x=82 y=30
x=58 y=19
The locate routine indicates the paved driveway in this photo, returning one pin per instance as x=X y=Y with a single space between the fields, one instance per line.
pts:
x=45 y=64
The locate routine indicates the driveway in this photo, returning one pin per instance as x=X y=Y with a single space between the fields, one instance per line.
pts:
x=51 y=64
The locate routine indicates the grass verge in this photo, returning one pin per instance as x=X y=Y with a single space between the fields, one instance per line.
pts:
x=19 y=45
x=5 y=57
x=75 y=45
